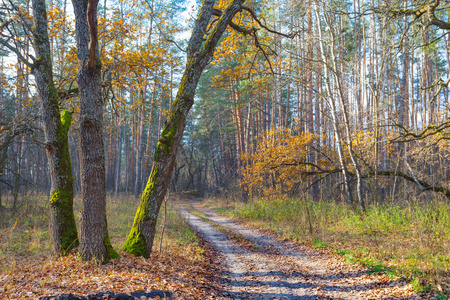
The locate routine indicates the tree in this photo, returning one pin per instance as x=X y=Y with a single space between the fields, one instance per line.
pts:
x=205 y=36
x=94 y=238
x=56 y=127
x=332 y=64
x=56 y=122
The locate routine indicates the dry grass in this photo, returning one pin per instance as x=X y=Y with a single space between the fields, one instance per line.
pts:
x=28 y=232
x=28 y=269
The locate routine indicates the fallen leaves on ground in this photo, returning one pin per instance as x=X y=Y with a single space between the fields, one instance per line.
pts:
x=179 y=273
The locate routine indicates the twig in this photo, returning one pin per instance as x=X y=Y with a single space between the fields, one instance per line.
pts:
x=421 y=188
x=164 y=222
x=309 y=216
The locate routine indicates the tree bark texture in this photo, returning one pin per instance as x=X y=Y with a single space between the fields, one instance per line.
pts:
x=56 y=127
x=200 y=50
x=94 y=239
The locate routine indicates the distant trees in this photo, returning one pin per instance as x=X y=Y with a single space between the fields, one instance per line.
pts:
x=13 y=131
x=353 y=82
x=426 y=14
x=56 y=120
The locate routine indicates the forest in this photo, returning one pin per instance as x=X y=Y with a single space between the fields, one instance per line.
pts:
x=322 y=121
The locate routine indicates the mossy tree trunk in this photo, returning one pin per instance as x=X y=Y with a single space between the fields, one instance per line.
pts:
x=94 y=239
x=199 y=52
x=56 y=127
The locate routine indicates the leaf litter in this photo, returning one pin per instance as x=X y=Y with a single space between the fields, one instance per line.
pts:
x=177 y=272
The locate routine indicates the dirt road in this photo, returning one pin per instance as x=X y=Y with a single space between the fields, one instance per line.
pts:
x=260 y=266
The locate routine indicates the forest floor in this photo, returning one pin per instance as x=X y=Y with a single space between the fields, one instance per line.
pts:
x=225 y=260
x=259 y=265
x=179 y=263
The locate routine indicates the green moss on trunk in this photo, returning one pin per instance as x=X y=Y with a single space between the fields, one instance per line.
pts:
x=65 y=233
x=61 y=201
x=136 y=243
x=112 y=253
x=66 y=120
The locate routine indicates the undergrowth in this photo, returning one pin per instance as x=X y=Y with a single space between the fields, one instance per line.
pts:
x=28 y=234
x=28 y=269
x=412 y=240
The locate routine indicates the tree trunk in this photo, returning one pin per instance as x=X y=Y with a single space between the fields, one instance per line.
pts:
x=149 y=134
x=140 y=150
x=56 y=127
x=309 y=73
x=199 y=52
x=118 y=160
x=94 y=239
x=343 y=105
x=333 y=110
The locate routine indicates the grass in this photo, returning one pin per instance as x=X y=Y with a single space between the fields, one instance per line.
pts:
x=120 y=215
x=28 y=233
x=28 y=269
x=412 y=241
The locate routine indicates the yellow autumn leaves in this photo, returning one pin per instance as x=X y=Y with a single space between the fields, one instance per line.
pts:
x=277 y=163
x=286 y=157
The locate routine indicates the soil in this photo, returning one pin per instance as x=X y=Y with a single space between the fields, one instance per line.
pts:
x=258 y=265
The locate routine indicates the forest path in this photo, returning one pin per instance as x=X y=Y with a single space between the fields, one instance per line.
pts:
x=260 y=266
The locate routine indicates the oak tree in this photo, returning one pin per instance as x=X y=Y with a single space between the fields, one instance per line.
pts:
x=94 y=239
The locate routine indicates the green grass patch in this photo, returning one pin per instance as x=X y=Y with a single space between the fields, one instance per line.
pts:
x=411 y=240
x=319 y=244
x=222 y=211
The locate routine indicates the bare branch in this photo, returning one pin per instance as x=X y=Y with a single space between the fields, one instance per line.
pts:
x=253 y=32
x=4 y=24
x=17 y=52
x=301 y=163
x=423 y=186
x=91 y=19
x=428 y=11
x=67 y=94
x=241 y=29
x=255 y=17
x=216 y=12
x=428 y=131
